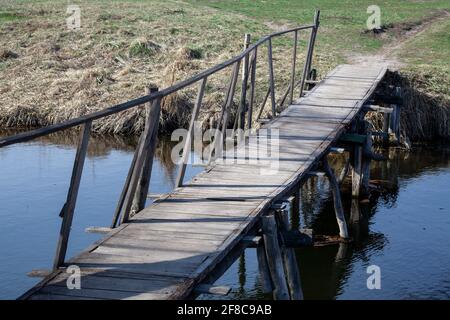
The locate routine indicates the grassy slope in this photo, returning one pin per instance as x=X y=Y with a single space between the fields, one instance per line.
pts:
x=125 y=46
x=342 y=22
x=428 y=56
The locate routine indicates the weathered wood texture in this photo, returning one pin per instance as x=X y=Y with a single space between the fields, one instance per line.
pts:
x=170 y=247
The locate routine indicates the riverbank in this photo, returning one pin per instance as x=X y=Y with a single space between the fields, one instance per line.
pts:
x=49 y=74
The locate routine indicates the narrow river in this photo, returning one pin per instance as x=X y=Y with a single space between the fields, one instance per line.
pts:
x=404 y=228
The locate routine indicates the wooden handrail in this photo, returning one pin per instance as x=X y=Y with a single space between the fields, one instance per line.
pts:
x=136 y=186
x=33 y=134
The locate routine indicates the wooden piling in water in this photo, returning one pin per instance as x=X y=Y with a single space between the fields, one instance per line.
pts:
x=394 y=123
x=274 y=257
x=356 y=163
x=263 y=267
x=289 y=259
x=366 y=160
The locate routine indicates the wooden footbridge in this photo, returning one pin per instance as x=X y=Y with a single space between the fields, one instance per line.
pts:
x=180 y=244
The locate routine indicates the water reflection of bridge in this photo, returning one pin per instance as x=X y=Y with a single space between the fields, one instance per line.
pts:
x=325 y=271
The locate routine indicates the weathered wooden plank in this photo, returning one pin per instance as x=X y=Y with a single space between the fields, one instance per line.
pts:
x=150 y=245
x=143 y=264
x=101 y=294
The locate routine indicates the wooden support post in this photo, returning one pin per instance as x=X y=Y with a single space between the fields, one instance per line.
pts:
x=355 y=160
x=274 y=258
x=263 y=267
x=190 y=135
x=69 y=207
x=296 y=202
x=140 y=196
x=309 y=54
x=271 y=78
x=289 y=259
x=146 y=150
x=394 y=121
x=386 y=122
x=294 y=61
x=338 y=208
x=344 y=171
x=366 y=159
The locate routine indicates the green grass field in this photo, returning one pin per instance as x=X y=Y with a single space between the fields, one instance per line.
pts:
x=124 y=46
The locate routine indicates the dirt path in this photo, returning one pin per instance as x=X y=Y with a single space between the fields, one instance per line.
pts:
x=403 y=34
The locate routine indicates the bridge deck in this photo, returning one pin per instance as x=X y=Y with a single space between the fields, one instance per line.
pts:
x=172 y=245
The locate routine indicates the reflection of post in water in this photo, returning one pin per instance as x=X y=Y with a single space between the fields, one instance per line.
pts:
x=242 y=271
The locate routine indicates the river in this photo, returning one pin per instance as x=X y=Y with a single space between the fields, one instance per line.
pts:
x=404 y=228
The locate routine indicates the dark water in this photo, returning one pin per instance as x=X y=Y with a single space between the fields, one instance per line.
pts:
x=404 y=228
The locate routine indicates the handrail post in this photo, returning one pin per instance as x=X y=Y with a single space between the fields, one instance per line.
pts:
x=308 y=60
x=125 y=188
x=190 y=135
x=271 y=77
x=69 y=207
x=140 y=196
x=243 y=104
x=294 y=61
x=218 y=143
x=145 y=151
x=316 y=27
x=252 y=89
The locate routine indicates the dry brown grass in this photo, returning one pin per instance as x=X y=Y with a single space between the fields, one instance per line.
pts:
x=425 y=114
x=49 y=74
